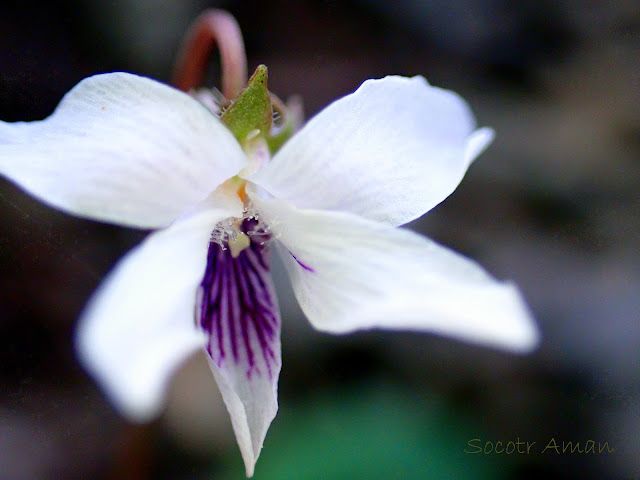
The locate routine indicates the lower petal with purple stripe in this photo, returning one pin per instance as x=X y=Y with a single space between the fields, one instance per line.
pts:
x=238 y=310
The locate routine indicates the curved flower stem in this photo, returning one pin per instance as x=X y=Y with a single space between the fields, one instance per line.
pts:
x=212 y=26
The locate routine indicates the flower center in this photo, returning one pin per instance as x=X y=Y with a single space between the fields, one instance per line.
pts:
x=237 y=234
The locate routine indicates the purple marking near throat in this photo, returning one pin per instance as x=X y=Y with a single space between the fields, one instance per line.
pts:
x=237 y=307
x=307 y=268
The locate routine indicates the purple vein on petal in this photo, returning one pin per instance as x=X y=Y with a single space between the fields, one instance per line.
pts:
x=237 y=308
x=306 y=267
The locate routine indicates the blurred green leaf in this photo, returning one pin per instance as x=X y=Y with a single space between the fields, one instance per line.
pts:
x=373 y=434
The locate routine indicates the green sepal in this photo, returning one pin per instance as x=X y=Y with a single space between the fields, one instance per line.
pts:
x=252 y=109
x=277 y=140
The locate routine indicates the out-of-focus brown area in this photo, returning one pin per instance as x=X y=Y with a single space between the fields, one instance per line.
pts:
x=553 y=204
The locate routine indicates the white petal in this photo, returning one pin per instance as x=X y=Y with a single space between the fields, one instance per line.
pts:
x=349 y=273
x=477 y=142
x=252 y=406
x=140 y=324
x=390 y=152
x=123 y=149
x=239 y=311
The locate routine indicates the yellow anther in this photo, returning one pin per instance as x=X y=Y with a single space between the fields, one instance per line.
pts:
x=238 y=243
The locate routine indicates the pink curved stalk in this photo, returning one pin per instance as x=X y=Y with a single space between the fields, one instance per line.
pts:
x=212 y=27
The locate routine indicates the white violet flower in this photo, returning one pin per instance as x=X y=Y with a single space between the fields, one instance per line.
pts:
x=129 y=150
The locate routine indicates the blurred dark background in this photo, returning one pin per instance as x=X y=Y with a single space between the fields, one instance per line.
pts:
x=553 y=204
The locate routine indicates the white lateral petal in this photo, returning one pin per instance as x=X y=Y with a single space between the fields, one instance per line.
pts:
x=390 y=152
x=140 y=323
x=238 y=310
x=350 y=273
x=477 y=142
x=124 y=149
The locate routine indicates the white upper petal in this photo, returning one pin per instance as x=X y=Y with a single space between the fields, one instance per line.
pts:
x=350 y=273
x=123 y=149
x=140 y=324
x=390 y=152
